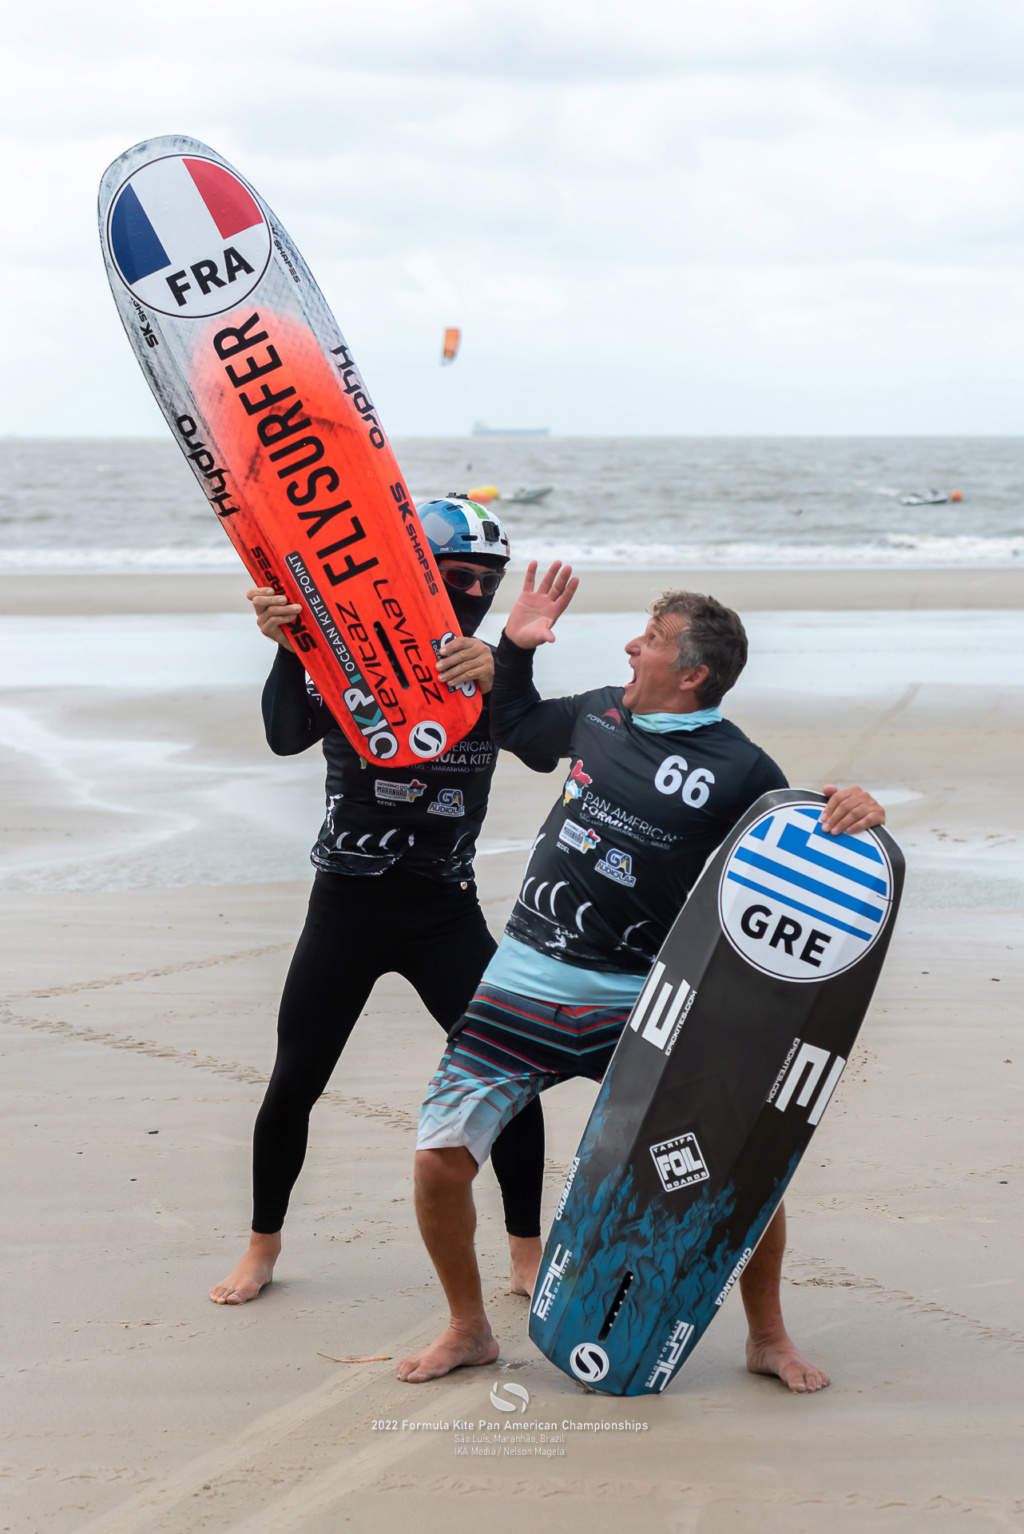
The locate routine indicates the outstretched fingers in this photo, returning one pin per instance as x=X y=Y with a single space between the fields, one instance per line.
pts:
x=566 y=587
x=559 y=586
x=539 y=606
x=550 y=577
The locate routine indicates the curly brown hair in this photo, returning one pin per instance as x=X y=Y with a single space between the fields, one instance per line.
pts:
x=713 y=636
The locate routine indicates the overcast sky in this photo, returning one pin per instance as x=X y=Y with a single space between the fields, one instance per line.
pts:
x=743 y=216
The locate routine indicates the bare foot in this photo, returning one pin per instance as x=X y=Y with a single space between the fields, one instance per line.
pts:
x=452 y=1350
x=253 y=1273
x=781 y=1356
x=525 y=1254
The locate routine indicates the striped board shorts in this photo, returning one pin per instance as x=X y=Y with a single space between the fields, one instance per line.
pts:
x=502 y=1052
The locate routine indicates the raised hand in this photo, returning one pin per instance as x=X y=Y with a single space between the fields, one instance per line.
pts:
x=531 y=621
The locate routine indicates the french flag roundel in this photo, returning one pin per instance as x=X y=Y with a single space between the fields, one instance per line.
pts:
x=188 y=237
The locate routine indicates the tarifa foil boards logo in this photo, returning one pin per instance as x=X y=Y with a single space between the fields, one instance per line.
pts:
x=799 y=904
x=187 y=237
x=679 y=1162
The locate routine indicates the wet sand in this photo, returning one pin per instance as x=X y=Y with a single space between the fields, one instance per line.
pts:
x=132 y=1404
x=601 y=590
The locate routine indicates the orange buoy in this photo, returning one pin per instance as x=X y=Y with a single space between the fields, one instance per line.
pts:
x=484 y=493
x=955 y=495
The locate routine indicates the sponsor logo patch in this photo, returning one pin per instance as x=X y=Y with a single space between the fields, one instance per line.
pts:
x=799 y=904
x=617 y=866
x=802 y=1076
x=589 y=1362
x=579 y=837
x=428 y=738
x=671 y=1352
x=575 y=783
x=547 y=1290
x=679 y=1162
x=614 y=818
x=187 y=236
x=398 y=793
x=661 y=1009
x=448 y=802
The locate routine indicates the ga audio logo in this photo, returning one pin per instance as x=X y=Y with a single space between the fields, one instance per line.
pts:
x=589 y=1363
x=428 y=738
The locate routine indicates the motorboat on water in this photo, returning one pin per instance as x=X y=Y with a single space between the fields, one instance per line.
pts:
x=526 y=497
x=481 y=429
x=488 y=493
x=930 y=497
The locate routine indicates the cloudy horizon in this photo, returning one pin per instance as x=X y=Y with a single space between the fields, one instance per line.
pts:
x=802 y=218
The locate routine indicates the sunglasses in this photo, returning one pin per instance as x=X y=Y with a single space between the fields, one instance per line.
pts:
x=465 y=580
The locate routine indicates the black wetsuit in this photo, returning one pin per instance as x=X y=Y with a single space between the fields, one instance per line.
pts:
x=393 y=893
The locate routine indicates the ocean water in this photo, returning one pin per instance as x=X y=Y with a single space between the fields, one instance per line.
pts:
x=641 y=503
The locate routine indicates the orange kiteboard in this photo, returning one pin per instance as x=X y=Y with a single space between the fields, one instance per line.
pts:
x=263 y=397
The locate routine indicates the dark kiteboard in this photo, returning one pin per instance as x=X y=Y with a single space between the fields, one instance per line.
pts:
x=262 y=395
x=729 y=1059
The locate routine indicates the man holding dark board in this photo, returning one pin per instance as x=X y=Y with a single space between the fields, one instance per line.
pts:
x=663 y=779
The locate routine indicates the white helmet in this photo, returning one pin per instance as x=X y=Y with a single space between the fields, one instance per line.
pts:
x=458 y=528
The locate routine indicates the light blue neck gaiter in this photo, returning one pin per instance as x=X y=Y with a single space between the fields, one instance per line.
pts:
x=665 y=724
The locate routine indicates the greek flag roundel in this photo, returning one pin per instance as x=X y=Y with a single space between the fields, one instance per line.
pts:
x=802 y=905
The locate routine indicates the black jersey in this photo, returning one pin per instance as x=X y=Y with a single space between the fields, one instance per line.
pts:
x=637 y=819
x=425 y=817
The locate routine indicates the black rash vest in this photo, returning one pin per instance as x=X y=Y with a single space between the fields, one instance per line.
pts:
x=638 y=817
x=427 y=817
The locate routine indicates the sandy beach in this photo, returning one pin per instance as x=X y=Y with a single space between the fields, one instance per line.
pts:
x=153 y=874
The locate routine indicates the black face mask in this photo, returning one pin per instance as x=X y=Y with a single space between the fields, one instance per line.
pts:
x=469 y=611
